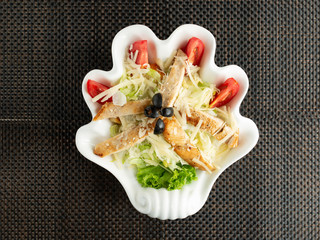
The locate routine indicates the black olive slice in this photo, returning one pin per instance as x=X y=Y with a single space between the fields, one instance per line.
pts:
x=151 y=112
x=159 y=128
x=157 y=100
x=167 y=112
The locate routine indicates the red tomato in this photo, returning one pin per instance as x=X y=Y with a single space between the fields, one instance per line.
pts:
x=142 y=48
x=228 y=90
x=194 y=50
x=94 y=88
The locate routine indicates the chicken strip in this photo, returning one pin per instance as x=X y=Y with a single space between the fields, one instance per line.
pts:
x=176 y=136
x=124 y=140
x=213 y=125
x=109 y=110
x=210 y=123
x=172 y=84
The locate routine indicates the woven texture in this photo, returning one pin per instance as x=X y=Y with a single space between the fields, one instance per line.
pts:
x=49 y=191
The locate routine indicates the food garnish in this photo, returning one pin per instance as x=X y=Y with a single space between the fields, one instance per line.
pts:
x=228 y=90
x=94 y=88
x=138 y=52
x=167 y=112
x=151 y=111
x=194 y=50
x=159 y=128
x=157 y=100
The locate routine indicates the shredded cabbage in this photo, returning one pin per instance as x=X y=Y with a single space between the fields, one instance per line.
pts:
x=152 y=152
x=141 y=155
x=164 y=152
x=198 y=96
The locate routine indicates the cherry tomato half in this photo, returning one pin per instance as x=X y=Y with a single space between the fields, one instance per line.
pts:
x=228 y=90
x=194 y=50
x=94 y=88
x=142 y=48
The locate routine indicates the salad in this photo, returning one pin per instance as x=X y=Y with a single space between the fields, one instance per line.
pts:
x=167 y=121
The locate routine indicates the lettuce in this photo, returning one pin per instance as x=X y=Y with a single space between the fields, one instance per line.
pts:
x=132 y=92
x=154 y=75
x=144 y=146
x=142 y=90
x=114 y=130
x=198 y=96
x=160 y=177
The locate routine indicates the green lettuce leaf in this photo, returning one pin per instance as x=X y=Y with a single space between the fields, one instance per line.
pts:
x=160 y=177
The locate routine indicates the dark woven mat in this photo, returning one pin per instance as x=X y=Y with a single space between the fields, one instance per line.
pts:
x=48 y=190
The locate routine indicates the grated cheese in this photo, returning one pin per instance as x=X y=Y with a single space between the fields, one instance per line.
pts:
x=187 y=108
x=135 y=55
x=175 y=131
x=184 y=117
x=111 y=91
x=196 y=129
x=196 y=160
x=169 y=60
x=219 y=129
x=190 y=75
x=159 y=62
x=179 y=117
x=223 y=140
x=142 y=132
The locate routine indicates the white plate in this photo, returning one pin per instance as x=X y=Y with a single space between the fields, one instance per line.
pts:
x=161 y=203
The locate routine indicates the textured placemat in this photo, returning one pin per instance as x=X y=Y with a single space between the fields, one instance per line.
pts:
x=48 y=190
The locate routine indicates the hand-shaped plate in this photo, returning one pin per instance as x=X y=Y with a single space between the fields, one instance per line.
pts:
x=161 y=203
